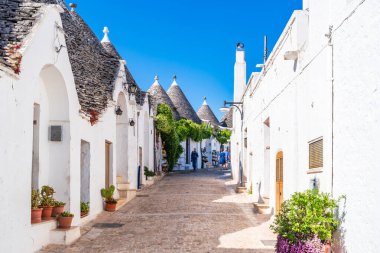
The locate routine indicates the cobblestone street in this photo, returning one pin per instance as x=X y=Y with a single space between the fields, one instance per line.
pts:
x=184 y=212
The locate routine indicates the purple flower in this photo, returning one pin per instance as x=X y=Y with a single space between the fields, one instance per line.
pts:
x=311 y=245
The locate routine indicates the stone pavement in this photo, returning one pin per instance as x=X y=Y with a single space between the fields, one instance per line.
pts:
x=184 y=212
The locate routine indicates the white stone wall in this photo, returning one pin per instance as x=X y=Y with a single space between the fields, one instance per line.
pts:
x=45 y=78
x=330 y=91
x=356 y=44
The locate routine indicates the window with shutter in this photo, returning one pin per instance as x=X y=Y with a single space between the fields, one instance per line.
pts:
x=316 y=154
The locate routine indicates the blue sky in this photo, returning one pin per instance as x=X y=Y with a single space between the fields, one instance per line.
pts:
x=194 y=39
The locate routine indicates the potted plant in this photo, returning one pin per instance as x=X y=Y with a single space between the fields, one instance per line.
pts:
x=306 y=223
x=58 y=208
x=47 y=202
x=84 y=209
x=107 y=194
x=65 y=219
x=148 y=174
x=36 y=211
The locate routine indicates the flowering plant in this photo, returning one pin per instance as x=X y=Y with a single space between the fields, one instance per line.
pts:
x=305 y=222
x=311 y=245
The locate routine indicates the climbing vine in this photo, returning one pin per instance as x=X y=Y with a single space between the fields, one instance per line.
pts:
x=174 y=132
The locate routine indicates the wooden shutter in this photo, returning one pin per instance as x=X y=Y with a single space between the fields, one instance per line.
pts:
x=316 y=154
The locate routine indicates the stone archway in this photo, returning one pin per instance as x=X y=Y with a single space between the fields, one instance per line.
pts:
x=51 y=134
x=122 y=139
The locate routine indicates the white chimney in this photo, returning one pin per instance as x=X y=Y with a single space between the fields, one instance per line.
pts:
x=240 y=74
x=305 y=4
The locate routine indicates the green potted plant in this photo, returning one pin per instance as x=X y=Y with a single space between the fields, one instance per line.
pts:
x=148 y=174
x=58 y=208
x=84 y=209
x=107 y=194
x=47 y=202
x=306 y=222
x=65 y=219
x=36 y=210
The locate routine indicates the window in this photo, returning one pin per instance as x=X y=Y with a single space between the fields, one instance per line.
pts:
x=316 y=154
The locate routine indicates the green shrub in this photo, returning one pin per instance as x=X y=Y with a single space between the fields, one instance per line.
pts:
x=47 y=195
x=107 y=194
x=58 y=203
x=84 y=207
x=305 y=215
x=36 y=199
x=66 y=214
x=148 y=173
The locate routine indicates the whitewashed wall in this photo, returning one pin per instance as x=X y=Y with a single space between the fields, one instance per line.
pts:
x=60 y=163
x=356 y=44
x=331 y=91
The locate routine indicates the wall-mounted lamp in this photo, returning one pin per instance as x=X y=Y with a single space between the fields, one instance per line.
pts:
x=132 y=88
x=131 y=122
x=118 y=111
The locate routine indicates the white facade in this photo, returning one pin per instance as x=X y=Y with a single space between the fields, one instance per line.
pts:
x=44 y=93
x=320 y=82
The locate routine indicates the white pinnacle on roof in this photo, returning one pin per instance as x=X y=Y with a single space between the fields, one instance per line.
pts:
x=174 y=80
x=106 y=32
x=156 y=80
x=204 y=101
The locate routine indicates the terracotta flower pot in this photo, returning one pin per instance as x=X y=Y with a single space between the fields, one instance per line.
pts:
x=46 y=212
x=111 y=207
x=57 y=210
x=327 y=247
x=64 y=222
x=36 y=215
x=83 y=214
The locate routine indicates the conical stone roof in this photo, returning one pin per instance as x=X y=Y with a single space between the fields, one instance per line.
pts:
x=159 y=96
x=183 y=106
x=206 y=114
x=227 y=119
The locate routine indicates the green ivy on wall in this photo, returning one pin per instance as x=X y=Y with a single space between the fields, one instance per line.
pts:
x=174 y=132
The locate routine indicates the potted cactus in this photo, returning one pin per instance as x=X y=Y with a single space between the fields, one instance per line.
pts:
x=110 y=202
x=36 y=211
x=58 y=208
x=84 y=209
x=65 y=219
x=47 y=202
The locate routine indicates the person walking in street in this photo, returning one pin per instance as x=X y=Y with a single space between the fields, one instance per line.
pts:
x=222 y=158
x=227 y=156
x=194 y=159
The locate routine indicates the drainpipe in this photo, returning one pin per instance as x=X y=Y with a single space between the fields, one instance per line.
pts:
x=331 y=45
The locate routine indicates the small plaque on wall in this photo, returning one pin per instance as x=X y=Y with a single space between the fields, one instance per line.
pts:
x=55 y=133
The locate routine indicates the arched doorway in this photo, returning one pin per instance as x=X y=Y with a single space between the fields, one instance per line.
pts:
x=122 y=139
x=51 y=134
x=279 y=181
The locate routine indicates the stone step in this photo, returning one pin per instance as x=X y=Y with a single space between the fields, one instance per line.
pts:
x=122 y=186
x=263 y=208
x=64 y=236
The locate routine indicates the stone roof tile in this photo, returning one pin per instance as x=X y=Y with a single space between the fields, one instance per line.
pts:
x=206 y=114
x=181 y=103
x=159 y=96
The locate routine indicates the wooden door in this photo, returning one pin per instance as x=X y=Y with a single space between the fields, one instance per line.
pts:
x=107 y=164
x=279 y=181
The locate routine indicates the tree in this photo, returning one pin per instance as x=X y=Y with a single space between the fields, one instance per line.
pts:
x=222 y=136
